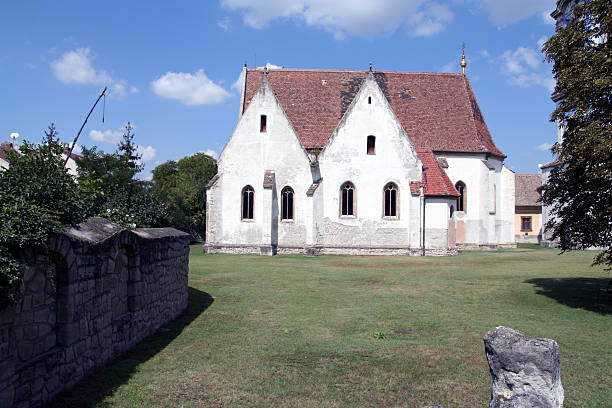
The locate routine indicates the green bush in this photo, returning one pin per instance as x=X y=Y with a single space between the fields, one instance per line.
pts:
x=37 y=196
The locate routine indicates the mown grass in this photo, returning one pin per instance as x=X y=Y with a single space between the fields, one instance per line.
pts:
x=293 y=331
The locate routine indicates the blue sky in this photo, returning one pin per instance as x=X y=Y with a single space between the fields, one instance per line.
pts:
x=170 y=66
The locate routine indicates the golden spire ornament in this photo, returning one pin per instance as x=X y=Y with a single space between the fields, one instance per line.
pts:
x=463 y=63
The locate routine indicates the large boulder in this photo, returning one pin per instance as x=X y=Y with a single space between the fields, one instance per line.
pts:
x=526 y=371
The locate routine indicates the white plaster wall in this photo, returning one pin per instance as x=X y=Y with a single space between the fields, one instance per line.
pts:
x=547 y=213
x=71 y=165
x=4 y=164
x=245 y=158
x=345 y=159
x=506 y=206
x=474 y=173
x=437 y=214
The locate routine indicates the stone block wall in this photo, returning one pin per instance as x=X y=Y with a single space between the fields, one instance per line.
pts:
x=97 y=291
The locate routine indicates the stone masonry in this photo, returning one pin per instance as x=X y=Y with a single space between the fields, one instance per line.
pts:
x=97 y=291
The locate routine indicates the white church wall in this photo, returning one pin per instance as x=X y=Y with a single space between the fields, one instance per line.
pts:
x=437 y=213
x=345 y=159
x=506 y=204
x=471 y=170
x=247 y=155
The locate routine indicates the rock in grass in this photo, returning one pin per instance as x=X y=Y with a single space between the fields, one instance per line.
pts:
x=526 y=371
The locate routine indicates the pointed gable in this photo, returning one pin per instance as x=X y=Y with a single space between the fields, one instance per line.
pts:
x=439 y=112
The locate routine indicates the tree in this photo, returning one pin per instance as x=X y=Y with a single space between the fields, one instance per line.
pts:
x=114 y=193
x=579 y=189
x=181 y=186
x=37 y=196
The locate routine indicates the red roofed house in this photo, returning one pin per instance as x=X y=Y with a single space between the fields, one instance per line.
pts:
x=359 y=162
x=5 y=162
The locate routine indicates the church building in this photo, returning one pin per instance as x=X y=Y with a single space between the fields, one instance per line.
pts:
x=359 y=162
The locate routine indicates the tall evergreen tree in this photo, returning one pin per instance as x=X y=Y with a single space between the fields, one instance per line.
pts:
x=579 y=189
x=129 y=151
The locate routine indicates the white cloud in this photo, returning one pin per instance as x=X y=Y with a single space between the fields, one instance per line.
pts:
x=237 y=85
x=503 y=12
x=520 y=60
x=106 y=136
x=342 y=18
x=541 y=41
x=431 y=21
x=525 y=67
x=210 y=153
x=75 y=67
x=451 y=66
x=224 y=24
x=533 y=78
x=189 y=89
x=147 y=153
x=547 y=18
x=544 y=146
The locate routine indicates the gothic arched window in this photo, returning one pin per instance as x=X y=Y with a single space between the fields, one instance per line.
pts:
x=390 y=200
x=248 y=199
x=347 y=200
x=287 y=204
x=462 y=199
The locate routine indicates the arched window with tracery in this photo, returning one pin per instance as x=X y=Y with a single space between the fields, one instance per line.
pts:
x=347 y=200
x=462 y=199
x=390 y=201
x=248 y=199
x=287 y=204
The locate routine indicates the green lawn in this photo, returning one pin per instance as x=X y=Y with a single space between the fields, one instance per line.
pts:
x=294 y=331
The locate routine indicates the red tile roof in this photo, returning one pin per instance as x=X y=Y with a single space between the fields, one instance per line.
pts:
x=4 y=147
x=439 y=112
x=435 y=180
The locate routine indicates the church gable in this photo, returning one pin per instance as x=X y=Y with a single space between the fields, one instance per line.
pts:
x=370 y=136
x=263 y=135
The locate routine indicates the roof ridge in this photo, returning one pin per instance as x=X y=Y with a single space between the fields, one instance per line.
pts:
x=365 y=71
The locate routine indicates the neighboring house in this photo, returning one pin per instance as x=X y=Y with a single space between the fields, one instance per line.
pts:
x=4 y=160
x=71 y=165
x=359 y=162
x=528 y=208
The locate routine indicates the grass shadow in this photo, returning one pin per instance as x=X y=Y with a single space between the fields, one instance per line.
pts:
x=105 y=381
x=578 y=293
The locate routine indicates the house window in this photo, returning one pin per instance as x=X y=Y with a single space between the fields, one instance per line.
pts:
x=526 y=224
x=263 y=123
x=248 y=195
x=461 y=201
x=347 y=200
x=390 y=201
x=287 y=204
x=371 y=145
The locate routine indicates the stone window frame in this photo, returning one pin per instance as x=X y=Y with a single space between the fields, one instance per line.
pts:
x=462 y=199
x=288 y=190
x=527 y=219
x=371 y=145
x=391 y=185
x=245 y=189
x=349 y=186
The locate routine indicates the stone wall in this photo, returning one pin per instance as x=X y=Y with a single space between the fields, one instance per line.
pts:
x=97 y=291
